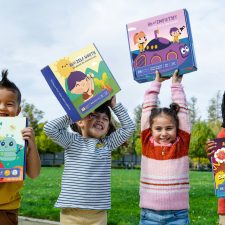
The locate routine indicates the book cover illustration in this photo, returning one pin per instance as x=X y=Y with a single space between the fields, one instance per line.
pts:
x=162 y=43
x=12 y=149
x=81 y=81
x=218 y=167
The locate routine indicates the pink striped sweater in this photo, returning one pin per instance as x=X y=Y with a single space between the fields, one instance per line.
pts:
x=164 y=183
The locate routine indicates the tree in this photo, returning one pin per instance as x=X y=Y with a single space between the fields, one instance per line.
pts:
x=214 y=113
x=193 y=110
x=214 y=109
x=136 y=136
x=200 y=133
x=44 y=143
x=33 y=114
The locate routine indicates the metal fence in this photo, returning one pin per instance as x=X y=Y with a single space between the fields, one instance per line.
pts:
x=57 y=159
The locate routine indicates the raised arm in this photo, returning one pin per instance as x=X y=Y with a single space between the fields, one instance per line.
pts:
x=178 y=96
x=151 y=100
x=122 y=134
x=57 y=131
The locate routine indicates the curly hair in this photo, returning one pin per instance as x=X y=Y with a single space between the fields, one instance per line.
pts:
x=5 y=83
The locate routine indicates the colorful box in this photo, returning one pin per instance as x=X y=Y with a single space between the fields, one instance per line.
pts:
x=162 y=43
x=218 y=167
x=12 y=149
x=81 y=81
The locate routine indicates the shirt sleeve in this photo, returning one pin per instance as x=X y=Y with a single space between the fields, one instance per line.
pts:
x=150 y=101
x=123 y=133
x=178 y=96
x=57 y=130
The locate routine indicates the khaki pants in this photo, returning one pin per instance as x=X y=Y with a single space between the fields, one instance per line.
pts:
x=221 y=219
x=70 y=216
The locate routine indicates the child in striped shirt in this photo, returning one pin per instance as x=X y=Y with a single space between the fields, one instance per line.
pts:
x=85 y=190
x=165 y=135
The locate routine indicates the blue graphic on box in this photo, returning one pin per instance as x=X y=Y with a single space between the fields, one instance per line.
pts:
x=12 y=172
x=220 y=191
x=162 y=67
x=88 y=105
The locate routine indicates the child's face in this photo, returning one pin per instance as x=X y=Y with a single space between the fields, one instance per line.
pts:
x=8 y=103
x=164 y=129
x=81 y=87
x=96 y=125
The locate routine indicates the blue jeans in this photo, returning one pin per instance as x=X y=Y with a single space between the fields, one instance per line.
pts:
x=164 y=217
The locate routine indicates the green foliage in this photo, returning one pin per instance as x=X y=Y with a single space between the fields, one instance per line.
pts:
x=137 y=132
x=40 y=195
x=200 y=133
x=33 y=114
x=44 y=143
x=215 y=126
x=138 y=146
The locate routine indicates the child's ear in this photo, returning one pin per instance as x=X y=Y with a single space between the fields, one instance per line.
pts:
x=18 y=111
x=80 y=123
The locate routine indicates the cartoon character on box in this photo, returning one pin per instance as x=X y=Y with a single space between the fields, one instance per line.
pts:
x=80 y=83
x=219 y=157
x=161 y=49
x=64 y=67
x=175 y=33
x=8 y=149
x=140 y=39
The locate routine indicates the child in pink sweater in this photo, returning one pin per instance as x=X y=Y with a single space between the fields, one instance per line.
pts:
x=165 y=135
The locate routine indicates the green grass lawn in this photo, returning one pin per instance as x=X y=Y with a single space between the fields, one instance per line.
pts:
x=39 y=196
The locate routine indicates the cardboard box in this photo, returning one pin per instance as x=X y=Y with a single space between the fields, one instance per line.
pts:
x=81 y=81
x=162 y=43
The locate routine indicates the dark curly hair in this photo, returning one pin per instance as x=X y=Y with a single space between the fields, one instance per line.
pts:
x=171 y=111
x=5 y=83
x=101 y=109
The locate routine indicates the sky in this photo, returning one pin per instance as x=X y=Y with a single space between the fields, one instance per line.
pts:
x=37 y=33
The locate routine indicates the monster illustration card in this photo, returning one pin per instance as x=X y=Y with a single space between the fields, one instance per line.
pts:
x=162 y=43
x=218 y=167
x=81 y=81
x=12 y=149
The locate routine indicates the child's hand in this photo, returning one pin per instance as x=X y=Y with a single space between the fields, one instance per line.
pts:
x=176 y=78
x=210 y=147
x=158 y=78
x=112 y=102
x=33 y=161
x=28 y=135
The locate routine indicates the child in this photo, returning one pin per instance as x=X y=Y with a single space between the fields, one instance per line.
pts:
x=85 y=189
x=10 y=98
x=210 y=145
x=165 y=135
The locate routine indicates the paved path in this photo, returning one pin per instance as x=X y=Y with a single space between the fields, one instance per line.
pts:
x=33 y=221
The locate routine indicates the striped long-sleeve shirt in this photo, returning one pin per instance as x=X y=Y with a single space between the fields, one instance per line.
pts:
x=87 y=170
x=164 y=181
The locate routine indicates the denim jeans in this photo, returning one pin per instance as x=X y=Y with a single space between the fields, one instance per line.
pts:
x=164 y=217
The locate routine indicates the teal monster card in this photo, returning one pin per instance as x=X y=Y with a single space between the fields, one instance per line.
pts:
x=12 y=149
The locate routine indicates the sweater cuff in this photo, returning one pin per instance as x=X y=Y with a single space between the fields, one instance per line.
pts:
x=176 y=85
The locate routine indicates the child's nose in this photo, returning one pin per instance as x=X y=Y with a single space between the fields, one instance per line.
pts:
x=2 y=106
